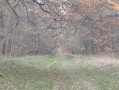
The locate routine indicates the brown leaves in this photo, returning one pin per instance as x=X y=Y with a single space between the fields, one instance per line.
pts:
x=114 y=5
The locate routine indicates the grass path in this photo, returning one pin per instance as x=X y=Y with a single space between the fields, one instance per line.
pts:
x=59 y=73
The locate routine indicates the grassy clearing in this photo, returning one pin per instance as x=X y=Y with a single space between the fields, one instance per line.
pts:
x=59 y=73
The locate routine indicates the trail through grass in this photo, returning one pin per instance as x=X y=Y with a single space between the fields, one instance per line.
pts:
x=59 y=73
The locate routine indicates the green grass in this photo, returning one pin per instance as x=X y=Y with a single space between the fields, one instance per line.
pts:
x=59 y=73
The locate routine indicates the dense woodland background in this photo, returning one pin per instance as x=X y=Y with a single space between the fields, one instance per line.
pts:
x=50 y=27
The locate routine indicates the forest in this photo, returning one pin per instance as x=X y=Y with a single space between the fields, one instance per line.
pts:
x=50 y=27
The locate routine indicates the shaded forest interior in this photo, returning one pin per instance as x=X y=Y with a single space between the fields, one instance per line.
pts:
x=49 y=27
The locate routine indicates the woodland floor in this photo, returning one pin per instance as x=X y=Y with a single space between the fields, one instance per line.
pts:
x=59 y=73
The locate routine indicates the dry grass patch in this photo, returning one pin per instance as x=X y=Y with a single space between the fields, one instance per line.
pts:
x=98 y=61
